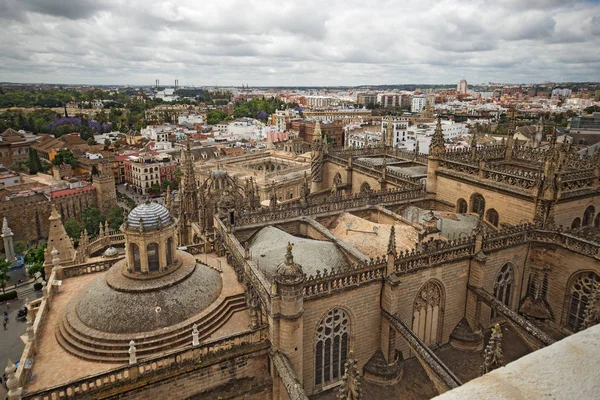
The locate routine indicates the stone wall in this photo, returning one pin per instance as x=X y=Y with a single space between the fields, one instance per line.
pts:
x=249 y=372
x=362 y=306
x=564 y=265
x=566 y=212
x=511 y=209
x=27 y=217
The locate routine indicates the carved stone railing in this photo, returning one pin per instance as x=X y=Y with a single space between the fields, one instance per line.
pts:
x=99 y=242
x=574 y=182
x=169 y=363
x=245 y=268
x=568 y=240
x=463 y=155
x=529 y=155
x=443 y=377
x=465 y=167
x=509 y=237
x=335 y=280
x=492 y=152
x=341 y=203
x=379 y=151
x=541 y=339
x=89 y=268
x=433 y=253
x=288 y=377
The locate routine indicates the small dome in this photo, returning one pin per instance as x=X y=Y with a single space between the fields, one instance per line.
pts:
x=218 y=173
x=111 y=252
x=148 y=216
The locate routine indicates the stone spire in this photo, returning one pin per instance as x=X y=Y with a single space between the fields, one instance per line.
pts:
x=437 y=147
x=492 y=355
x=316 y=163
x=189 y=207
x=474 y=146
x=289 y=271
x=58 y=238
x=317 y=133
x=7 y=237
x=350 y=389
x=388 y=139
x=392 y=242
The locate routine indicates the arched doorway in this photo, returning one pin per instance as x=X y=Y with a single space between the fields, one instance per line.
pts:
x=332 y=344
x=461 y=206
x=135 y=251
x=579 y=295
x=427 y=313
x=153 y=260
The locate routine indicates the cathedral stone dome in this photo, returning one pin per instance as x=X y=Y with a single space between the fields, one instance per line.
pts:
x=148 y=216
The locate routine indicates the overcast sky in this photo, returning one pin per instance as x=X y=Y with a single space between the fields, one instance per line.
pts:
x=283 y=42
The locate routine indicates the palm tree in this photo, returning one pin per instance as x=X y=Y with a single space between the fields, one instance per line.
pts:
x=4 y=274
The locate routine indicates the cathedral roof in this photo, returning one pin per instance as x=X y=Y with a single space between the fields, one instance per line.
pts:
x=269 y=248
x=149 y=216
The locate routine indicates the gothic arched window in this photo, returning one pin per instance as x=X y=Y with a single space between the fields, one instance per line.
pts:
x=365 y=187
x=576 y=224
x=333 y=336
x=153 y=260
x=135 y=250
x=337 y=179
x=588 y=216
x=597 y=221
x=477 y=204
x=580 y=292
x=503 y=285
x=492 y=217
x=461 y=206
x=427 y=313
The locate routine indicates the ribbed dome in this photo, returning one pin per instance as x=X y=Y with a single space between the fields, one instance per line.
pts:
x=150 y=215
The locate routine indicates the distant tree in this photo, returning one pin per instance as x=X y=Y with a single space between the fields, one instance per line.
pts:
x=115 y=218
x=91 y=220
x=66 y=157
x=4 y=266
x=155 y=188
x=73 y=228
x=214 y=117
x=34 y=162
x=178 y=174
x=20 y=247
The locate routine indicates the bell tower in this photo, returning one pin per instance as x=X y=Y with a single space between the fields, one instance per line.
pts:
x=106 y=192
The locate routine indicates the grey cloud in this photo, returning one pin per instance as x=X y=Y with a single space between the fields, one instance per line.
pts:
x=309 y=43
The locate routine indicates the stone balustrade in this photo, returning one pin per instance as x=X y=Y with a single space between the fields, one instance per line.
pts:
x=335 y=280
x=433 y=253
x=193 y=357
x=89 y=268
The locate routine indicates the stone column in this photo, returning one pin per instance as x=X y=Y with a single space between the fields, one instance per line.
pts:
x=7 y=236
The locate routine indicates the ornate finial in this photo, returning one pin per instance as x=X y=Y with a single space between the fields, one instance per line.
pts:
x=492 y=355
x=289 y=257
x=392 y=242
x=12 y=382
x=5 y=229
x=437 y=147
x=350 y=389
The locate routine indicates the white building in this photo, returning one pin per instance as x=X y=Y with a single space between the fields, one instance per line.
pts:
x=462 y=86
x=400 y=125
x=418 y=103
x=282 y=117
x=158 y=133
x=190 y=119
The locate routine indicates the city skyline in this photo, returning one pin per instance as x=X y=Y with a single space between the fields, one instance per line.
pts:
x=308 y=44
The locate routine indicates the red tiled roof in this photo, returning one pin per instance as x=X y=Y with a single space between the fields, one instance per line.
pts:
x=66 y=192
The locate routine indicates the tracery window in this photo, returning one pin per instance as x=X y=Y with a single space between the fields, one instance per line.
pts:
x=337 y=179
x=503 y=285
x=477 y=204
x=588 y=216
x=597 y=221
x=332 y=338
x=580 y=292
x=492 y=217
x=427 y=312
x=461 y=206
x=365 y=187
